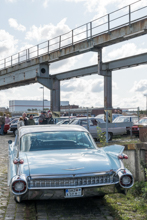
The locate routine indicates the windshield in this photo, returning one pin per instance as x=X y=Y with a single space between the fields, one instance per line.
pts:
x=122 y=119
x=56 y=141
x=143 y=121
x=75 y=122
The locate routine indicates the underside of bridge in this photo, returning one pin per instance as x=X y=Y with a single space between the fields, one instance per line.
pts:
x=37 y=69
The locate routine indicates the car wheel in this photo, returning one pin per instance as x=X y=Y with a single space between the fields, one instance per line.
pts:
x=5 y=132
x=110 y=135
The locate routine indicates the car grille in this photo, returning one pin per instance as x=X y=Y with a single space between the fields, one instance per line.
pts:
x=96 y=180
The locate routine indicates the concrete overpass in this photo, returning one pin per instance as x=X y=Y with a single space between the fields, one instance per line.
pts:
x=32 y=65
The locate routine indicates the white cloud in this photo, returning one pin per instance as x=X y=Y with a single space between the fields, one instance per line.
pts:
x=126 y=50
x=131 y=102
x=47 y=31
x=11 y=1
x=8 y=44
x=140 y=86
x=84 y=92
x=100 y=6
x=13 y=23
x=45 y=3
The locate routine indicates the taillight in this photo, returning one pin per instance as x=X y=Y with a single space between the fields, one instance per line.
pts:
x=21 y=161
x=126 y=180
x=125 y=156
x=19 y=186
x=18 y=161
x=15 y=161
x=122 y=156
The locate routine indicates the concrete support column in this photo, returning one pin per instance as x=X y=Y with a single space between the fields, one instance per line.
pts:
x=108 y=91
x=100 y=61
x=55 y=96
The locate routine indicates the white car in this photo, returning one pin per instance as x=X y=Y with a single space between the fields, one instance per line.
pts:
x=91 y=124
x=114 y=116
x=63 y=162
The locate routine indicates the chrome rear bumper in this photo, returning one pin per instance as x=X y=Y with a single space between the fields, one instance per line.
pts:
x=42 y=194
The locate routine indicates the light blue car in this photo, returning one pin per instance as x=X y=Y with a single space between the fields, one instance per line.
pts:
x=63 y=161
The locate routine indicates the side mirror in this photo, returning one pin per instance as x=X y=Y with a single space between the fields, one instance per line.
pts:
x=10 y=142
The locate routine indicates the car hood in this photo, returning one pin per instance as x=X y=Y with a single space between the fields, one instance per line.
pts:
x=69 y=162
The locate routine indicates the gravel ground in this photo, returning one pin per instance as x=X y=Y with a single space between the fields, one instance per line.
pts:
x=89 y=208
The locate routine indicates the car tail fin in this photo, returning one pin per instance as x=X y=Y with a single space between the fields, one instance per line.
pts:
x=118 y=149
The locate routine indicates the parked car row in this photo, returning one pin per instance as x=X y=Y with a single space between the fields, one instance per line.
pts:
x=113 y=116
x=91 y=124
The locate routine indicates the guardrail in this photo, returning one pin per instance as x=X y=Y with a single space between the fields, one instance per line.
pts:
x=87 y=31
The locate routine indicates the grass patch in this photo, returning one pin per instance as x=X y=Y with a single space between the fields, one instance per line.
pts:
x=130 y=206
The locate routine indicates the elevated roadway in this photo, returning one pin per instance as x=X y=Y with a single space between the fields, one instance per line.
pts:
x=32 y=65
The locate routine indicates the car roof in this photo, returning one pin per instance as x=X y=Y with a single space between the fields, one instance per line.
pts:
x=44 y=128
x=127 y=116
x=85 y=118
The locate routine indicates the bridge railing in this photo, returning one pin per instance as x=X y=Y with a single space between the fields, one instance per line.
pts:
x=105 y=24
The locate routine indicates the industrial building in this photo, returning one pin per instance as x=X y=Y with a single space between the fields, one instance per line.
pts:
x=25 y=105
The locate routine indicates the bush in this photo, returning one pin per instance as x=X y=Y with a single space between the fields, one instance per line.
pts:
x=101 y=136
x=137 y=189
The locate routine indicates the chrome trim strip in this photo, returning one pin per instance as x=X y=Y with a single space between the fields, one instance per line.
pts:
x=73 y=169
x=73 y=187
x=58 y=176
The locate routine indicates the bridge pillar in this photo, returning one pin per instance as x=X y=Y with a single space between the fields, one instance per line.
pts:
x=108 y=91
x=55 y=96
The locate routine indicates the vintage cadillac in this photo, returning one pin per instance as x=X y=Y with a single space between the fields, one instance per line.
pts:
x=63 y=161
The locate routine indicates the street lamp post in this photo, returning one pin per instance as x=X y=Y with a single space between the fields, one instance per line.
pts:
x=43 y=96
x=146 y=103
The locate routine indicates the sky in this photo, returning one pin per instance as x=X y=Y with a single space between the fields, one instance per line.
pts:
x=25 y=23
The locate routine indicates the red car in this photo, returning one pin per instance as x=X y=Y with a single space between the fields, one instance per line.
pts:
x=6 y=128
x=135 y=127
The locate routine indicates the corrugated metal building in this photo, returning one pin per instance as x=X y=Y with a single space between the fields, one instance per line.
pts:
x=24 y=105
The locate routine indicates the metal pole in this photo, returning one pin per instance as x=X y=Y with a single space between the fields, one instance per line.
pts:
x=59 y=41
x=90 y=29
x=130 y=130
x=69 y=112
x=108 y=23
x=146 y=105
x=43 y=98
x=87 y=121
x=18 y=58
x=48 y=46
x=5 y=62
x=72 y=37
x=37 y=50
x=28 y=54
x=106 y=126
x=87 y=31
x=138 y=113
x=11 y=60
x=129 y=14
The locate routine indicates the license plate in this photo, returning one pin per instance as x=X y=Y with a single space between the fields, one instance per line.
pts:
x=73 y=192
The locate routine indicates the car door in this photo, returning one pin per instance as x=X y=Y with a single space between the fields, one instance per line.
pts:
x=93 y=124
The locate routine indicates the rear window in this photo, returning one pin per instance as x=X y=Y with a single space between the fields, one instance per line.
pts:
x=56 y=141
